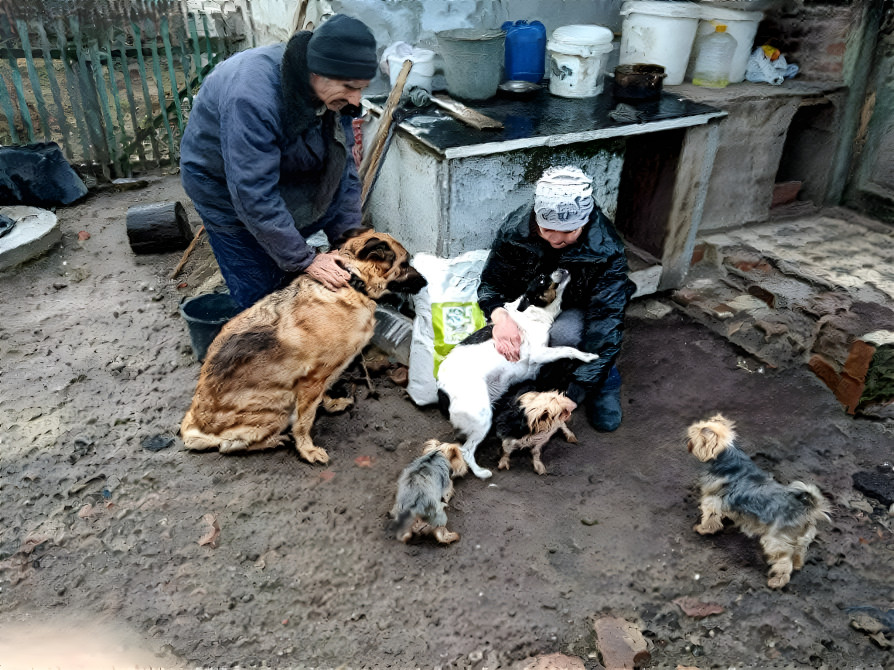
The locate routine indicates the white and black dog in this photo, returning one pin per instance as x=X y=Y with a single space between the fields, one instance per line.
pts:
x=474 y=374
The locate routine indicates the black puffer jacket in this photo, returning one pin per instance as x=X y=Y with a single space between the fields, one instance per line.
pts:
x=599 y=283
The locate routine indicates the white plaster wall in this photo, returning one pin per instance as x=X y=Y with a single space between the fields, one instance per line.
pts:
x=417 y=21
x=407 y=199
x=447 y=207
x=273 y=20
x=483 y=191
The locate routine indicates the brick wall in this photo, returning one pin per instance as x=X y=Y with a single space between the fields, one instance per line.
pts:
x=814 y=36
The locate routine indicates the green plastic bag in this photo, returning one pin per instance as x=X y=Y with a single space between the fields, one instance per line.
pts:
x=453 y=322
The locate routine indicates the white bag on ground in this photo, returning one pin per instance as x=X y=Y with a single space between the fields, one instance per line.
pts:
x=446 y=313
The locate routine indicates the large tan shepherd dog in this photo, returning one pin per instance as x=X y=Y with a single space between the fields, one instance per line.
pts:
x=274 y=362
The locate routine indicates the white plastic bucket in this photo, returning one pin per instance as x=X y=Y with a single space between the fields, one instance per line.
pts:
x=420 y=74
x=740 y=24
x=659 y=33
x=577 y=58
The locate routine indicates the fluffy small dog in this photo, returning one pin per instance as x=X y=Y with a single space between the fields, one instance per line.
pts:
x=526 y=418
x=474 y=374
x=424 y=489
x=784 y=517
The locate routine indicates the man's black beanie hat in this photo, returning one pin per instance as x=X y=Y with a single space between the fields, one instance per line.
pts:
x=342 y=48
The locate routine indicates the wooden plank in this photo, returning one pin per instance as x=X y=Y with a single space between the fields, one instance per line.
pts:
x=74 y=96
x=159 y=83
x=99 y=150
x=185 y=61
x=105 y=111
x=35 y=81
x=147 y=99
x=169 y=57
x=8 y=111
x=131 y=101
x=688 y=202
x=55 y=90
x=196 y=49
x=18 y=86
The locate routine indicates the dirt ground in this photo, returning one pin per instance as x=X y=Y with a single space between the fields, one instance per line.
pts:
x=102 y=560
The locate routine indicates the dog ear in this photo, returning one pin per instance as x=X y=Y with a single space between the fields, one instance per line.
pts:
x=430 y=446
x=376 y=249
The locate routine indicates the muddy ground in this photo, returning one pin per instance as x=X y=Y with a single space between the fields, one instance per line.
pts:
x=100 y=538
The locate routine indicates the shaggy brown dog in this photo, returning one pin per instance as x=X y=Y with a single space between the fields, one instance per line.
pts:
x=280 y=356
x=424 y=489
x=732 y=486
x=529 y=420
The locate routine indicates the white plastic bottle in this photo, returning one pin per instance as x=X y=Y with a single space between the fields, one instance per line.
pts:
x=713 y=58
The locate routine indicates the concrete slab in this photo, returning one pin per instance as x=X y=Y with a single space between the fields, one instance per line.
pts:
x=35 y=233
x=840 y=253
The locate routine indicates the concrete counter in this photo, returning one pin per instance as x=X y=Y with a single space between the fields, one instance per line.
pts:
x=444 y=187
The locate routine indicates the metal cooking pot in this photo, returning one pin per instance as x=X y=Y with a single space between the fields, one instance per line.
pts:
x=638 y=81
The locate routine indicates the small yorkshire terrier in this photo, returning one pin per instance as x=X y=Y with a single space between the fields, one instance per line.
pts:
x=732 y=486
x=527 y=419
x=424 y=489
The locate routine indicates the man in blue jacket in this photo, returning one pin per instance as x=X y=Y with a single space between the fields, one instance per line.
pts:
x=564 y=229
x=266 y=156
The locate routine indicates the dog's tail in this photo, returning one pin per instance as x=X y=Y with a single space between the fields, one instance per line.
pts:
x=812 y=498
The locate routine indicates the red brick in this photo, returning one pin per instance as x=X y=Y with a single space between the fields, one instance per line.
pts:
x=698 y=254
x=824 y=370
x=837 y=49
x=849 y=391
x=858 y=360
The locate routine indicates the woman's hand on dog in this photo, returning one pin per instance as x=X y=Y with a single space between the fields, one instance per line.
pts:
x=328 y=270
x=507 y=337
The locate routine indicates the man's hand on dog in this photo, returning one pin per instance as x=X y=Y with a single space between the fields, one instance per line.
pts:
x=507 y=337
x=328 y=270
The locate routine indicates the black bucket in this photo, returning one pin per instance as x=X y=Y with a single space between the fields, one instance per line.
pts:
x=205 y=315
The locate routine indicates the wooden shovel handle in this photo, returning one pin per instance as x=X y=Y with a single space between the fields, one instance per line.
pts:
x=371 y=160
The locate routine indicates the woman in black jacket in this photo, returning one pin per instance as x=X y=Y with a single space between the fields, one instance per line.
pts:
x=564 y=229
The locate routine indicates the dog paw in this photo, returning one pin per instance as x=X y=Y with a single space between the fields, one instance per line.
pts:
x=232 y=446
x=503 y=464
x=539 y=468
x=314 y=454
x=335 y=405
x=778 y=581
x=707 y=528
x=445 y=536
x=571 y=438
x=481 y=473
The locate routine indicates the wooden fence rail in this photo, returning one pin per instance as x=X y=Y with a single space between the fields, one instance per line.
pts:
x=111 y=81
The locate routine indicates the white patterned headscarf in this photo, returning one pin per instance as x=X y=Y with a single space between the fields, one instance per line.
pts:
x=563 y=199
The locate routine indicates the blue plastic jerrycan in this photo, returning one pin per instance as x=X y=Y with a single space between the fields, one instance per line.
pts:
x=525 y=50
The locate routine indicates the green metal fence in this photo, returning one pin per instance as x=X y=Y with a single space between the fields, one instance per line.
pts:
x=110 y=81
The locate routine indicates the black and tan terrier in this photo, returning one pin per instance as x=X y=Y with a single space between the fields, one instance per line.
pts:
x=733 y=487
x=423 y=490
x=526 y=418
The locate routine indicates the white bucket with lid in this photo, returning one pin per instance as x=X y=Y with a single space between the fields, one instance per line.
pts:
x=740 y=24
x=420 y=74
x=577 y=58
x=659 y=33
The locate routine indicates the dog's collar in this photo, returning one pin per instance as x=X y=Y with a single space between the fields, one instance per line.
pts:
x=358 y=285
